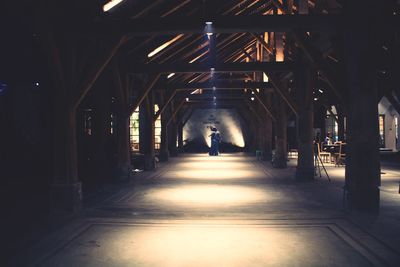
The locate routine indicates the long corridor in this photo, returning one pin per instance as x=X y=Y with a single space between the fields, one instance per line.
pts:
x=229 y=210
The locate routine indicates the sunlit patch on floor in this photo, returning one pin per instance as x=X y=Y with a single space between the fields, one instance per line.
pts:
x=215 y=174
x=211 y=165
x=172 y=245
x=208 y=195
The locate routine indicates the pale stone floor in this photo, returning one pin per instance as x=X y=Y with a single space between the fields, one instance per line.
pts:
x=230 y=210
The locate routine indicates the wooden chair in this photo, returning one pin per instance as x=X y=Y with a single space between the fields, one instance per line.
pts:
x=340 y=158
x=323 y=154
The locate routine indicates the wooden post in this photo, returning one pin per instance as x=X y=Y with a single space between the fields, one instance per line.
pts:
x=66 y=188
x=268 y=139
x=164 y=152
x=123 y=165
x=146 y=132
x=305 y=162
x=70 y=87
x=362 y=151
x=260 y=127
x=180 y=137
x=101 y=132
x=280 y=157
x=173 y=151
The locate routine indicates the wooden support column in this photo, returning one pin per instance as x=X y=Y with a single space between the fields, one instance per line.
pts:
x=269 y=121
x=66 y=188
x=173 y=132
x=173 y=128
x=261 y=135
x=257 y=120
x=280 y=157
x=146 y=132
x=123 y=167
x=185 y=118
x=180 y=137
x=305 y=80
x=268 y=139
x=362 y=151
x=66 y=193
x=70 y=87
x=101 y=132
x=164 y=151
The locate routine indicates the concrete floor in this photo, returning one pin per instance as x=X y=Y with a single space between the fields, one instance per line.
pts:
x=229 y=210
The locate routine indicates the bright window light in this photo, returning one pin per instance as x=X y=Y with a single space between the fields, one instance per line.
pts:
x=165 y=45
x=111 y=4
x=265 y=77
x=196 y=58
x=280 y=57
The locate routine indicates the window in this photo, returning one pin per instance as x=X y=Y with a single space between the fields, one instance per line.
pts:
x=87 y=117
x=157 y=130
x=331 y=126
x=134 y=130
x=396 y=127
x=382 y=130
x=112 y=124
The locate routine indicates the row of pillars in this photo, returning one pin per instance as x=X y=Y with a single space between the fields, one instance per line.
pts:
x=362 y=163
x=360 y=91
x=171 y=134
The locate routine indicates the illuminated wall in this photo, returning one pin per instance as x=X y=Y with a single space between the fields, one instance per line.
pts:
x=227 y=121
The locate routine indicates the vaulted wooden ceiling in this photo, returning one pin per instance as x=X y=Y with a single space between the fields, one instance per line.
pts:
x=250 y=37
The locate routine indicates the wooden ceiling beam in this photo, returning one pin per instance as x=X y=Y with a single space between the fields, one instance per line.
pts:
x=264 y=104
x=145 y=91
x=219 y=67
x=315 y=58
x=221 y=24
x=170 y=48
x=218 y=85
x=175 y=8
x=181 y=49
x=283 y=92
x=263 y=43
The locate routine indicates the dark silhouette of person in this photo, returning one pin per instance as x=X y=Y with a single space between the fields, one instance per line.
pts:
x=328 y=140
x=215 y=140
